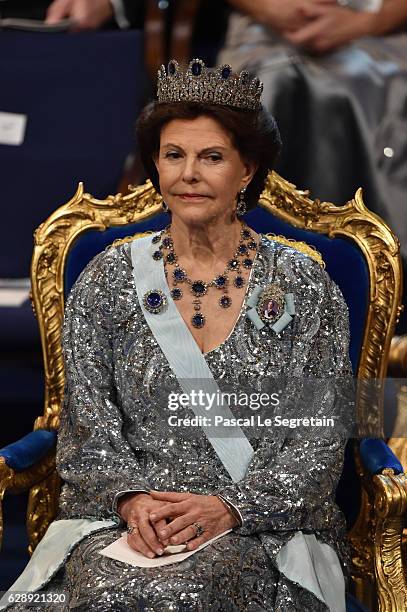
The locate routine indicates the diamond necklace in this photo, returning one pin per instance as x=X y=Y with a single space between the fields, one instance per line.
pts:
x=165 y=250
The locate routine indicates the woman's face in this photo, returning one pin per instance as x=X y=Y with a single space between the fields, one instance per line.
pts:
x=200 y=170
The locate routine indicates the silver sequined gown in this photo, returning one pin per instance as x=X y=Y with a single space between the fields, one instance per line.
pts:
x=113 y=438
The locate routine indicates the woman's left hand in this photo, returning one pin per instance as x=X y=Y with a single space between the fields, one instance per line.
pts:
x=331 y=27
x=187 y=509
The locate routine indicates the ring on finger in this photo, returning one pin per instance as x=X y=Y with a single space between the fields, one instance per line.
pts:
x=132 y=528
x=198 y=528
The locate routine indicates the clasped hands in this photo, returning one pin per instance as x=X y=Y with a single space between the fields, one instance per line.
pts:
x=149 y=513
x=317 y=25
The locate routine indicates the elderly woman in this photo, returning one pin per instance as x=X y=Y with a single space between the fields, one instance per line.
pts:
x=204 y=305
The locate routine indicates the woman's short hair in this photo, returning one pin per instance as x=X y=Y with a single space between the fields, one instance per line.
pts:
x=254 y=134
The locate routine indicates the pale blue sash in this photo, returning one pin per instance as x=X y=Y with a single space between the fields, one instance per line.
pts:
x=185 y=358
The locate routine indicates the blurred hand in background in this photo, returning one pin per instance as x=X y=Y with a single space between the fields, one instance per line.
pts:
x=329 y=27
x=85 y=14
x=281 y=16
x=320 y=26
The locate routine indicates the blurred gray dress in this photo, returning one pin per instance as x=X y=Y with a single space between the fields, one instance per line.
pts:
x=342 y=116
x=114 y=437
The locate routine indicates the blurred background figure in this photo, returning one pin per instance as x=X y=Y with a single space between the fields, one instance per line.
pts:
x=83 y=14
x=335 y=79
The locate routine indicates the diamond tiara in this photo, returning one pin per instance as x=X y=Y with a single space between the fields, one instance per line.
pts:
x=212 y=86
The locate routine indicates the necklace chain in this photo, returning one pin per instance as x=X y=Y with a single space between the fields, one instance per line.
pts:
x=242 y=258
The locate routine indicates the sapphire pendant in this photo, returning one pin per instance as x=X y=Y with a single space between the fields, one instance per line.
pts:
x=198 y=320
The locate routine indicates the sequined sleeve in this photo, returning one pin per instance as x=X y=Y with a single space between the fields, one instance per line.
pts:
x=296 y=488
x=93 y=458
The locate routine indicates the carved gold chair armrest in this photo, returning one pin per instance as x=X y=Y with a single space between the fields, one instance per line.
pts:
x=390 y=504
x=25 y=464
x=390 y=495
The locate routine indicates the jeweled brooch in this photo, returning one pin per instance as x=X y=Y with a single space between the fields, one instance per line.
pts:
x=270 y=306
x=154 y=301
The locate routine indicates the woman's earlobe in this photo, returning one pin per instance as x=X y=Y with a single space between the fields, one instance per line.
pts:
x=251 y=169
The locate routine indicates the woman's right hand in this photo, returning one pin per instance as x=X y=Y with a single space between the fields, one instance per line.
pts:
x=135 y=510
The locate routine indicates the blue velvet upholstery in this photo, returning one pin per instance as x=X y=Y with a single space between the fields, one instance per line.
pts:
x=93 y=242
x=377 y=456
x=29 y=450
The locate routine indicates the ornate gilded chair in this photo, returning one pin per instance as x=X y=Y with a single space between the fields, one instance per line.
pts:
x=360 y=253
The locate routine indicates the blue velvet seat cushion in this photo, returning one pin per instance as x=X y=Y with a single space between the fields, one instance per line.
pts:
x=29 y=450
x=377 y=456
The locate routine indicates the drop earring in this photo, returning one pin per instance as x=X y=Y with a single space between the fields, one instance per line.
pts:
x=165 y=206
x=241 y=206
